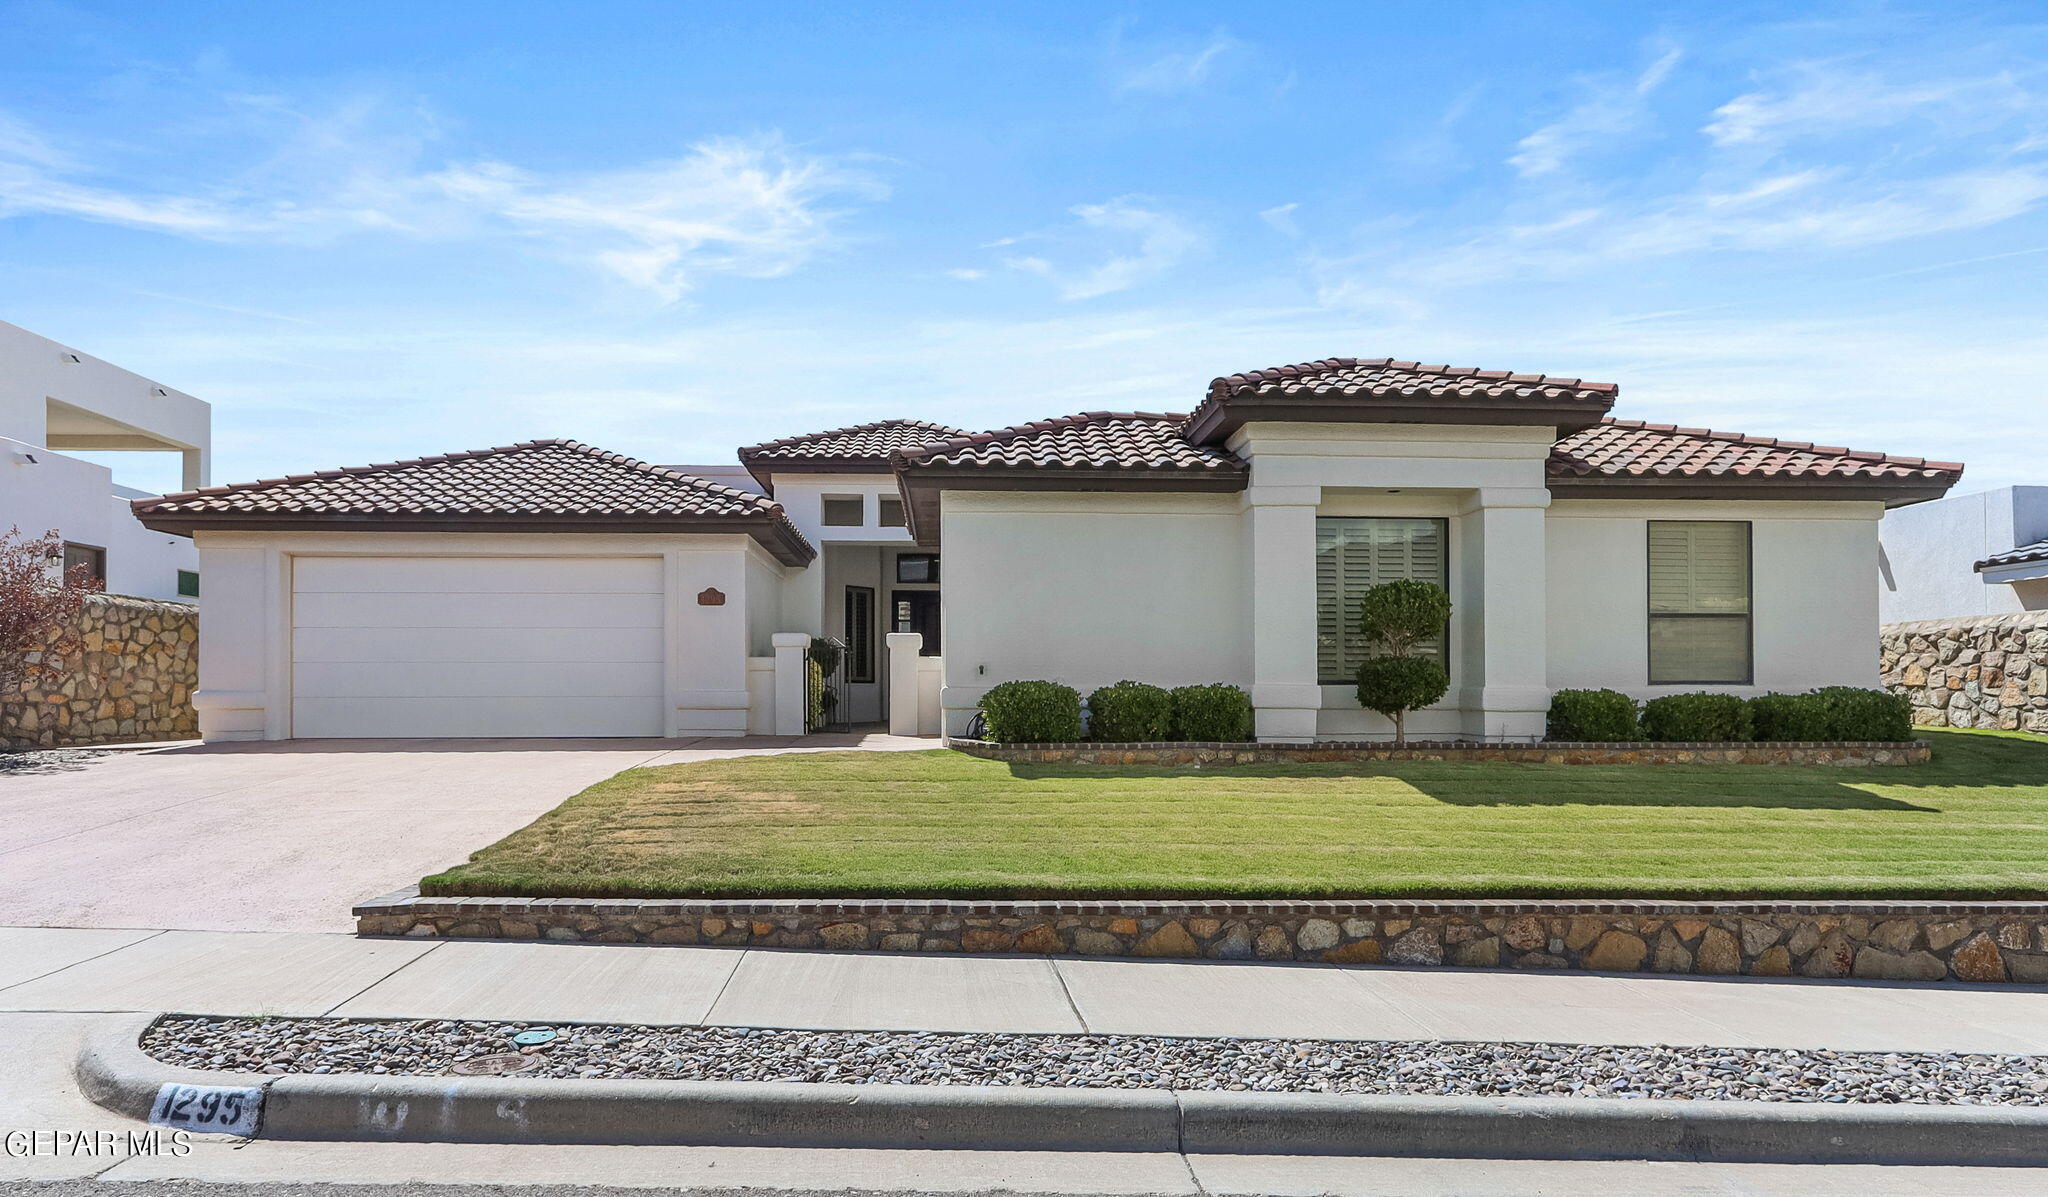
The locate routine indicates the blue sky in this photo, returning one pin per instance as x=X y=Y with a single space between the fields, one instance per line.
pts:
x=373 y=231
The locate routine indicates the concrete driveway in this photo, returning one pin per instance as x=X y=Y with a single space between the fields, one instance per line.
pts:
x=287 y=835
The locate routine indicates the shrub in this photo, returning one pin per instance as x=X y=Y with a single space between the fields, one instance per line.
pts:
x=1593 y=716
x=1853 y=713
x=1212 y=714
x=1032 y=713
x=1394 y=686
x=1697 y=716
x=1781 y=717
x=1130 y=712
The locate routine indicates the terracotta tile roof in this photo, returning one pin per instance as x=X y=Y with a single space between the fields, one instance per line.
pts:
x=1346 y=387
x=1634 y=449
x=1096 y=440
x=862 y=442
x=2023 y=555
x=554 y=483
x=1385 y=376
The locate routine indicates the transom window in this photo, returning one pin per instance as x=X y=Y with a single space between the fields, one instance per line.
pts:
x=1354 y=554
x=1700 y=620
x=844 y=511
x=889 y=509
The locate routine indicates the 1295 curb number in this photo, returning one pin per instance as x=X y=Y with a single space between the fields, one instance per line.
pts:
x=213 y=1109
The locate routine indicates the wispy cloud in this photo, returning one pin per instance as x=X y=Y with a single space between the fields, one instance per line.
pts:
x=1156 y=70
x=1131 y=238
x=1812 y=99
x=753 y=207
x=1613 y=107
x=1281 y=219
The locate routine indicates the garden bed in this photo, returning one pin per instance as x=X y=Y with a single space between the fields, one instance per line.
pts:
x=1192 y=755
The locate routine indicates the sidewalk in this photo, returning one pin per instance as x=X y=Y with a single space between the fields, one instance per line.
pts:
x=53 y=983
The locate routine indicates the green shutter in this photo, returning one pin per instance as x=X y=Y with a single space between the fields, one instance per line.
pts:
x=1354 y=554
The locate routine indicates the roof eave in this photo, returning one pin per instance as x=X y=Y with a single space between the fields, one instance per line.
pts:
x=921 y=485
x=1216 y=419
x=1892 y=492
x=773 y=532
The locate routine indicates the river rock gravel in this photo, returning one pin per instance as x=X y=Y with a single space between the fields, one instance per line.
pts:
x=433 y=1048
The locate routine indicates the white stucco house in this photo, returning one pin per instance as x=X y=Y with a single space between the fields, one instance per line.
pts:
x=1966 y=555
x=56 y=401
x=553 y=589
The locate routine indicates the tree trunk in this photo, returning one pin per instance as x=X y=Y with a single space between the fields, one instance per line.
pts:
x=1400 y=729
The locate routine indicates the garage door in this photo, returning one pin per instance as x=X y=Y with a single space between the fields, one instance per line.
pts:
x=480 y=646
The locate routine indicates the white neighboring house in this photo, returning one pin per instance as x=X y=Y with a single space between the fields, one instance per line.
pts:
x=553 y=589
x=54 y=398
x=1966 y=555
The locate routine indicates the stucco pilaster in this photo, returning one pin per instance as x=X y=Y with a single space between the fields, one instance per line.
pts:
x=1507 y=661
x=1283 y=588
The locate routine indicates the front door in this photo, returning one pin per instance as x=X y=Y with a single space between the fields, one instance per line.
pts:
x=917 y=611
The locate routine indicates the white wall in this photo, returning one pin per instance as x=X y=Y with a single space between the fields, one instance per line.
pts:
x=1813 y=609
x=105 y=407
x=245 y=682
x=1090 y=589
x=1931 y=549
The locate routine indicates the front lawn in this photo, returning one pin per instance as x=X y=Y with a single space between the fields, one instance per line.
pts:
x=1974 y=824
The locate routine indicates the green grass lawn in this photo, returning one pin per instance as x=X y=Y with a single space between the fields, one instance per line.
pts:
x=1974 y=823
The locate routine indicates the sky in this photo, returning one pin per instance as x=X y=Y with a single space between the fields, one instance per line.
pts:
x=369 y=231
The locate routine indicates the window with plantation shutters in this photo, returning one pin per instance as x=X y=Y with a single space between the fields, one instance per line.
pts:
x=1354 y=554
x=1699 y=602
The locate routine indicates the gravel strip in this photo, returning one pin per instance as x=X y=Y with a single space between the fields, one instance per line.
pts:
x=433 y=1047
x=46 y=760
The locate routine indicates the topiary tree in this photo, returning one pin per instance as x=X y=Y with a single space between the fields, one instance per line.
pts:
x=1396 y=617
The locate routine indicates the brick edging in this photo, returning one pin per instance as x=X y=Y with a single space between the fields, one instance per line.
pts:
x=1889 y=940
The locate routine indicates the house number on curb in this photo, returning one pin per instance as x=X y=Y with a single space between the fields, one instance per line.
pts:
x=212 y=1109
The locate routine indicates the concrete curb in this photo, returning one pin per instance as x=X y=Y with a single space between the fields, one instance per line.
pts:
x=113 y=1071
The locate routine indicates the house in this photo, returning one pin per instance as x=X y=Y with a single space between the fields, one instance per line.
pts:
x=552 y=588
x=56 y=401
x=1965 y=556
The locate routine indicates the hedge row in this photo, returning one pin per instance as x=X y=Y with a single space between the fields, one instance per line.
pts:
x=1127 y=712
x=1832 y=713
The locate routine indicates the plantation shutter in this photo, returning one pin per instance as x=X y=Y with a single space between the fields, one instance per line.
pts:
x=1699 y=602
x=1354 y=554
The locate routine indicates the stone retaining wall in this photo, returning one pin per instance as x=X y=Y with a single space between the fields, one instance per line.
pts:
x=1969 y=941
x=1913 y=752
x=1985 y=671
x=131 y=679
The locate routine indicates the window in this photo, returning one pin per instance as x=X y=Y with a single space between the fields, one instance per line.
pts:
x=1354 y=554
x=845 y=511
x=1699 y=603
x=918 y=611
x=917 y=567
x=94 y=560
x=860 y=634
x=188 y=583
x=890 y=511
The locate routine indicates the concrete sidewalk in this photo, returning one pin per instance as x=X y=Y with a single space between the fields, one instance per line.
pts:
x=287 y=835
x=103 y=970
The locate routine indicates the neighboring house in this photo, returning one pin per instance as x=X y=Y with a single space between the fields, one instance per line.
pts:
x=54 y=398
x=550 y=588
x=1966 y=555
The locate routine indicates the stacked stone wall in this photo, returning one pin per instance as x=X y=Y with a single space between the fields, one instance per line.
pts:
x=130 y=680
x=1987 y=671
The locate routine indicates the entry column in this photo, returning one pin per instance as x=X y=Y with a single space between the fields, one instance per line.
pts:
x=1285 y=694
x=1514 y=691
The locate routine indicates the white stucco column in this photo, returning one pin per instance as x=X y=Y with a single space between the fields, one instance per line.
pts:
x=244 y=632
x=1283 y=581
x=903 y=682
x=791 y=648
x=1509 y=699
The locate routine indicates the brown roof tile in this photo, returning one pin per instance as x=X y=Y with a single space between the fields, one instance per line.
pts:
x=553 y=483
x=867 y=442
x=1634 y=449
x=1385 y=376
x=1097 y=440
x=1348 y=388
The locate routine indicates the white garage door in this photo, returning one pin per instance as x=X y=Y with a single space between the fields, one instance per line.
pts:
x=478 y=646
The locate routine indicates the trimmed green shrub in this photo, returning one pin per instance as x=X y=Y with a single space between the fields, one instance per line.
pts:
x=1782 y=717
x=1593 y=716
x=1853 y=713
x=1394 y=686
x=1697 y=716
x=1032 y=713
x=1212 y=714
x=1130 y=712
